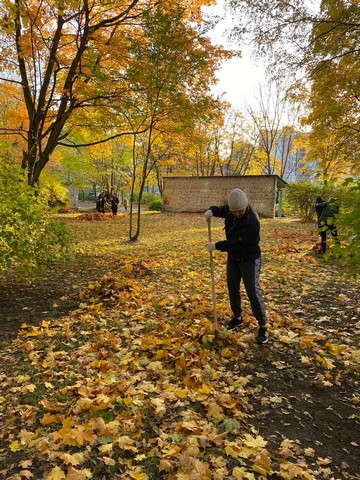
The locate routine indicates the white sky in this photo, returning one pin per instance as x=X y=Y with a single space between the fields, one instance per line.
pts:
x=238 y=77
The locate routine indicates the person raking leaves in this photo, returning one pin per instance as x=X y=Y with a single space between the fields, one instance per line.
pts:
x=242 y=229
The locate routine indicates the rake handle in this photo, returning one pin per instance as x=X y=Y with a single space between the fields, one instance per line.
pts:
x=213 y=283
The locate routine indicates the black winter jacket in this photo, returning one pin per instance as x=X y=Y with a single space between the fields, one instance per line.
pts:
x=328 y=210
x=242 y=234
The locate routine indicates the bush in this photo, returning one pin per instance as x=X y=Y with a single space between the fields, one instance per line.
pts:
x=29 y=239
x=147 y=198
x=347 y=254
x=156 y=205
x=301 y=198
x=53 y=192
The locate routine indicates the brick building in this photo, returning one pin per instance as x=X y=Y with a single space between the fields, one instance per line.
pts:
x=196 y=194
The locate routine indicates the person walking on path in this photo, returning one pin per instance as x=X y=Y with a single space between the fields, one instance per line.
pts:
x=242 y=229
x=326 y=212
x=114 y=203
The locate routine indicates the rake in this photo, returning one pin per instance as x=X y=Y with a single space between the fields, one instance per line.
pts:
x=213 y=283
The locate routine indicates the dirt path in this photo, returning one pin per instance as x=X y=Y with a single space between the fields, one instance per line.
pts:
x=47 y=298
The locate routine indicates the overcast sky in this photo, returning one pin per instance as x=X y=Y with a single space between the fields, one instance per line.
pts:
x=238 y=77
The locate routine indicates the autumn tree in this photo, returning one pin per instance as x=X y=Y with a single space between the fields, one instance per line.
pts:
x=334 y=100
x=65 y=57
x=12 y=114
x=316 y=45
x=239 y=144
x=172 y=67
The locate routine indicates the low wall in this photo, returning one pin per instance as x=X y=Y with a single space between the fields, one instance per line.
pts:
x=196 y=194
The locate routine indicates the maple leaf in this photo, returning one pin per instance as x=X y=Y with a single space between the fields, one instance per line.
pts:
x=137 y=474
x=233 y=449
x=72 y=459
x=26 y=474
x=56 y=474
x=334 y=349
x=205 y=388
x=241 y=473
x=73 y=474
x=48 y=419
x=77 y=436
x=190 y=427
x=309 y=452
x=109 y=461
x=159 y=405
x=290 y=471
x=106 y=448
x=181 y=392
x=225 y=400
x=51 y=406
x=287 y=448
x=126 y=443
x=164 y=465
x=324 y=461
x=214 y=410
x=171 y=450
x=325 y=362
x=28 y=388
x=254 y=442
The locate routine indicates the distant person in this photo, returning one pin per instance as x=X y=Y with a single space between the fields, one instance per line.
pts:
x=326 y=212
x=114 y=203
x=100 y=203
x=318 y=208
x=242 y=229
x=125 y=204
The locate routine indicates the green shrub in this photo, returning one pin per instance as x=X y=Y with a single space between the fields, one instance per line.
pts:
x=347 y=254
x=156 y=205
x=301 y=198
x=29 y=239
x=147 y=198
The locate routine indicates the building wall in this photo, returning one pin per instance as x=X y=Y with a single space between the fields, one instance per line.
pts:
x=196 y=194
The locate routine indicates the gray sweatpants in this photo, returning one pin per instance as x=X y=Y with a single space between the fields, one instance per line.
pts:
x=249 y=272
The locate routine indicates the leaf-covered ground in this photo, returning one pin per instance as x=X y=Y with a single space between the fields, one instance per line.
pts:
x=130 y=383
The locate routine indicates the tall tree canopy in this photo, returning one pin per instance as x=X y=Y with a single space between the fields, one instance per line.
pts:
x=335 y=91
x=318 y=46
x=67 y=57
x=56 y=52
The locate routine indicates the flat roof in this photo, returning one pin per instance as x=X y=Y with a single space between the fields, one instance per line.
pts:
x=281 y=183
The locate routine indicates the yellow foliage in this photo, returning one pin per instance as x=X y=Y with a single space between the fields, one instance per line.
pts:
x=56 y=474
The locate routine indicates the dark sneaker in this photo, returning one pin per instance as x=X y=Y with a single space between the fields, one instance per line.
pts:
x=262 y=336
x=234 y=322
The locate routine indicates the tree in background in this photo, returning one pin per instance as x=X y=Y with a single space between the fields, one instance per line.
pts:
x=63 y=57
x=172 y=67
x=238 y=144
x=274 y=125
x=334 y=100
x=316 y=47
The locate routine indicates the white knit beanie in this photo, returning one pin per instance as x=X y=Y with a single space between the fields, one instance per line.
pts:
x=237 y=200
